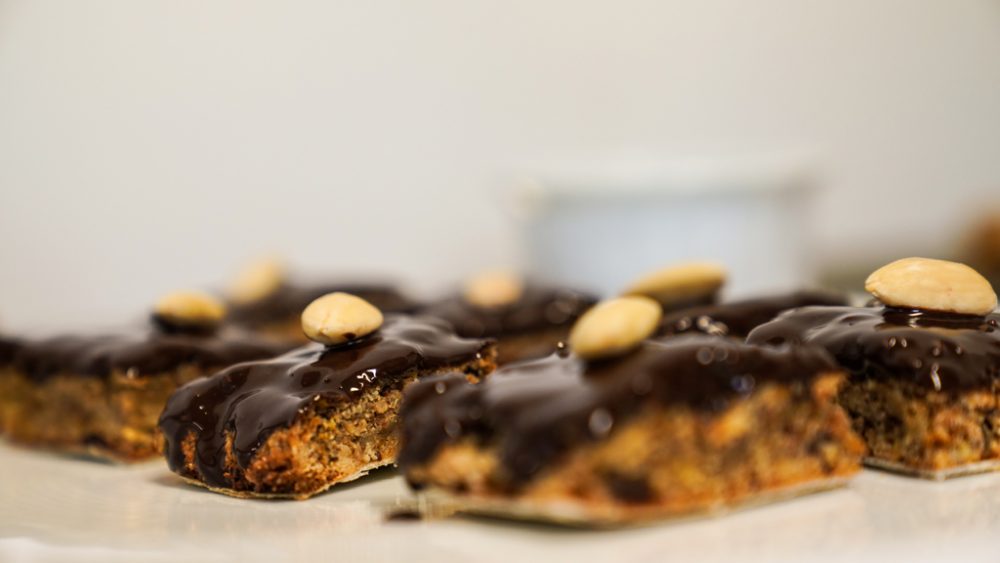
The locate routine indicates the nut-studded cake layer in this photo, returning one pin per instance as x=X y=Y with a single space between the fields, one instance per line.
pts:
x=102 y=394
x=675 y=426
x=295 y=425
x=923 y=386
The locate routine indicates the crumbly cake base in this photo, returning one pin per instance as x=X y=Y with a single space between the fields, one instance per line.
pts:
x=932 y=434
x=285 y=496
x=668 y=462
x=111 y=418
x=326 y=445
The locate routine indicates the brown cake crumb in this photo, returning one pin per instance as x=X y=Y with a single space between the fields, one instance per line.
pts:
x=112 y=418
x=910 y=426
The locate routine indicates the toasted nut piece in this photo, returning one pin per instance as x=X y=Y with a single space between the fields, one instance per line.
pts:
x=189 y=309
x=681 y=282
x=494 y=289
x=614 y=327
x=934 y=285
x=340 y=317
x=258 y=280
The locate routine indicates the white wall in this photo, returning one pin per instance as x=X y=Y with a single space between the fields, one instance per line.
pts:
x=150 y=145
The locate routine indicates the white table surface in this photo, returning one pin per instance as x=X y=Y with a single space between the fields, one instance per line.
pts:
x=55 y=508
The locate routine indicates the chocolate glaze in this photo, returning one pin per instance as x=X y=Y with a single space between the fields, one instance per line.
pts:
x=937 y=350
x=738 y=318
x=141 y=351
x=288 y=301
x=8 y=349
x=534 y=411
x=254 y=399
x=699 y=301
x=538 y=308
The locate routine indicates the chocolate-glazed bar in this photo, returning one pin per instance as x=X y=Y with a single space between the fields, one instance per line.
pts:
x=266 y=298
x=676 y=426
x=924 y=384
x=689 y=294
x=101 y=394
x=737 y=318
x=319 y=415
x=530 y=325
x=278 y=312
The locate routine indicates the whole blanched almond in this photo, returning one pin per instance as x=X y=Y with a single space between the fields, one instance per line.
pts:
x=257 y=281
x=339 y=317
x=189 y=309
x=681 y=282
x=614 y=327
x=933 y=285
x=494 y=289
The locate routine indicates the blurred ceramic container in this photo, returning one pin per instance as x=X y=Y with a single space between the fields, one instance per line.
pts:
x=601 y=229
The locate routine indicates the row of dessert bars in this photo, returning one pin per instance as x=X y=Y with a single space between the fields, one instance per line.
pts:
x=101 y=393
x=661 y=402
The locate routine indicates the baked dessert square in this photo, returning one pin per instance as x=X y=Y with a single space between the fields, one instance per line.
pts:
x=527 y=319
x=293 y=426
x=101 y=394
x=670 y=427
x=689 y=295
x=738 y=317
x=265 y=298
x=924 y=370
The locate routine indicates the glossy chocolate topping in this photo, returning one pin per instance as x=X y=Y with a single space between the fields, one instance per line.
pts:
x=142 y=351
x=8 y=349
x=538 y=308
x=253 y=399
x=738 y=318
x=288 y=301
x=534 y=411
x=940 y=351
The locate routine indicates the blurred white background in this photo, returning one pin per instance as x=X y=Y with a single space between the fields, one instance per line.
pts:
x=150 y=145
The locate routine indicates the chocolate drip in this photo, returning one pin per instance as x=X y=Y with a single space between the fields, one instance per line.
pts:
x=939 y=351
x=250 y=401
x=538 y=308
x=288 y=301
x=535 y=411
x=738 y=318
x=141 y=351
